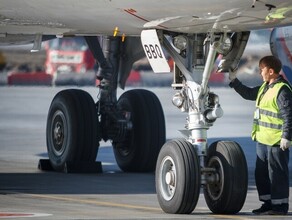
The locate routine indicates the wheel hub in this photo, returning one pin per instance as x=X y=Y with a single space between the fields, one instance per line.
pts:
x=215 y=187
x=59 y=131
x=168 y=177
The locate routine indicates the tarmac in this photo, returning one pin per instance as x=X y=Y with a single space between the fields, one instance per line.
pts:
x=27 y=192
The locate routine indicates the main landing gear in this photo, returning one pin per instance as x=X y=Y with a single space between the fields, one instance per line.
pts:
x=184 y=165
x=134 y=123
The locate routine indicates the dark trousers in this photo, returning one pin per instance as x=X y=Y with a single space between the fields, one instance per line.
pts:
x=272 y=174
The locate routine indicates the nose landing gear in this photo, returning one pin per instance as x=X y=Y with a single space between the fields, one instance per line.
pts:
x=184 y=165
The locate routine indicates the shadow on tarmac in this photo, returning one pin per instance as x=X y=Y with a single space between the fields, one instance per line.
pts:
x=60 y=183
x=111 y=181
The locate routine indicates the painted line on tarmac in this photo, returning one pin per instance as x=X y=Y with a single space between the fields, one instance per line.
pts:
x=233 y=217
x=85 y=201
x=107 y=204
x=137 y=207
x=5 y=215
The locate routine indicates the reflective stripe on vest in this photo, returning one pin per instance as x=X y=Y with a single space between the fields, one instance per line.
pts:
x=267 y=125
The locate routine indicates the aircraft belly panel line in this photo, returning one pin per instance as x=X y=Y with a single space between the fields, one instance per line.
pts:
x=32 y=17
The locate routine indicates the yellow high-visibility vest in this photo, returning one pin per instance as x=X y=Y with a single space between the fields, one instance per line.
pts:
x=267 y=123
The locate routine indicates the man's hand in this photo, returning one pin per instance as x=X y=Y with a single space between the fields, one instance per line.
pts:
x=285 y=144
x=232 y=75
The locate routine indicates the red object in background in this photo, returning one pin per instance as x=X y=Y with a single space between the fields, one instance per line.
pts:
x=217 y=77
x=69 y=54
x=32 y=78
x=134 y=78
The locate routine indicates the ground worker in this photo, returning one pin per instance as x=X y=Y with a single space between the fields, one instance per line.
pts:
x=272 y=130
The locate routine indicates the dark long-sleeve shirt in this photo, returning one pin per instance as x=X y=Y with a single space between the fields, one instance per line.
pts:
x=284 y=101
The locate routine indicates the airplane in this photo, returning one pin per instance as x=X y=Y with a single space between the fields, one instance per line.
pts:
x=193 y=33
x=281 y=47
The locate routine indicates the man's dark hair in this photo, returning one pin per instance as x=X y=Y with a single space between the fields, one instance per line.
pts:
x=271 y=62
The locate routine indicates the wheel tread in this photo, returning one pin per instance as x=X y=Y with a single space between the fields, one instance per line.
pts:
x=148 y=133
x=235 y=178
x=188 y=177
x=81 y=140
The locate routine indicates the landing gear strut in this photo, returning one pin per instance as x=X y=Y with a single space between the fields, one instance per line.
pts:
x=185 y=165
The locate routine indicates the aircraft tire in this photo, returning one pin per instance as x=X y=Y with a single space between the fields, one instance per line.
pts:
x=139 y=151
x=178 y=177
x=226 y=196
x=72 y=129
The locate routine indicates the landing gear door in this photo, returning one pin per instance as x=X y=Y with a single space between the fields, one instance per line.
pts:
x=153 y=51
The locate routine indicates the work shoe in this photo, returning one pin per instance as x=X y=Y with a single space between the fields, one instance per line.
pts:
x=263 y=210
x=274 y=212
x=281 y=209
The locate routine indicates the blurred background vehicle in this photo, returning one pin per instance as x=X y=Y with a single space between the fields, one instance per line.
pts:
x=69 y=61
